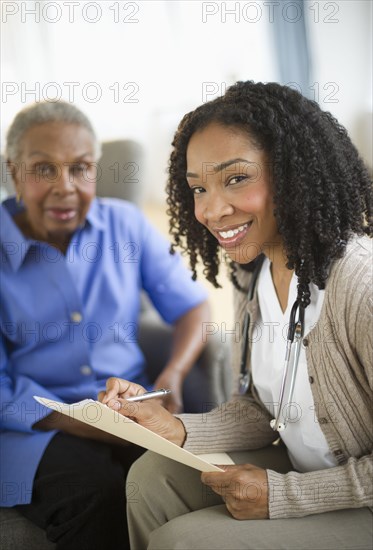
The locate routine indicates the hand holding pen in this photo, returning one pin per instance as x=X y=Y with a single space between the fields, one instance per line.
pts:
x=117 y=388
x=133 y=401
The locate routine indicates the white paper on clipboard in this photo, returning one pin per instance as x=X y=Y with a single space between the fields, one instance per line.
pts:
x=103 y=418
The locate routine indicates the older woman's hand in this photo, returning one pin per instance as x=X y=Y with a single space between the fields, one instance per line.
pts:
x=150 y=414
x=171 y=379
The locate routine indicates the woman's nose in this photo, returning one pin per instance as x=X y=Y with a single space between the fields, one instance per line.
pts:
x=217 y=207
x=64 y=182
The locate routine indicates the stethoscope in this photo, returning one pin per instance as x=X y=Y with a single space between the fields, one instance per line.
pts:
x=294 y=335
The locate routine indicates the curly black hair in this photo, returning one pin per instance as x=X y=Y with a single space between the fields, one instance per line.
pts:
x=322 y=190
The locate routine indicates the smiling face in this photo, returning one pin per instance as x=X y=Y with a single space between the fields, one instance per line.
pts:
x=230 y=179
x=56 y=178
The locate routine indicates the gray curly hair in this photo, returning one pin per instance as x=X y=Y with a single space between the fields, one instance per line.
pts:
x=40 y=113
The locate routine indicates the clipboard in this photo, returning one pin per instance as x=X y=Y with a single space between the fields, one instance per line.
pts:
x=103 y=418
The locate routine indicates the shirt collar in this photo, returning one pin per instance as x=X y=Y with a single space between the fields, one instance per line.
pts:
x=15 y=246
x=93 y=216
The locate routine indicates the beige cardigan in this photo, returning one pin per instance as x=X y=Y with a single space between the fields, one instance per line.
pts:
x=340 y=366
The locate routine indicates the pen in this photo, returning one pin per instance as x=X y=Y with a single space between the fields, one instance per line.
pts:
x=149 y=395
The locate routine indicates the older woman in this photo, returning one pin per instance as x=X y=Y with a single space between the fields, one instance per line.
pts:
x=263 y=174
x=71 y=274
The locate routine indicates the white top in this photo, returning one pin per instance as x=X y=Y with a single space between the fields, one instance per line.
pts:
x=306 y=444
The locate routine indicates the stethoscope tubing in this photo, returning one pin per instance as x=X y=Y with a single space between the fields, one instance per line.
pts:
x=295 y=334
x=276 y=423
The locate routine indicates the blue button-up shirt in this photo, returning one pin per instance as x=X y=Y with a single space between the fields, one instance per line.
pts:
x=68 y=322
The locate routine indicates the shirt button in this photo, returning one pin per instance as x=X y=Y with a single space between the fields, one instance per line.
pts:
x=305 y=342
x=86 y=370
x=323 y=421
x=311 y=379
x=76 y=317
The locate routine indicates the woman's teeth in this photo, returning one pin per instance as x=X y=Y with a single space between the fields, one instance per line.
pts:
x=232 y=232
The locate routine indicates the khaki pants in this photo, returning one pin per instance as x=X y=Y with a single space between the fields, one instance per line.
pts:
x=169 y=508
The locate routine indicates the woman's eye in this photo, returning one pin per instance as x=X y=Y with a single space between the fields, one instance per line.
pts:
x=236 y=179
x=197 y=190
x=46 y=170
x=78 y=169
